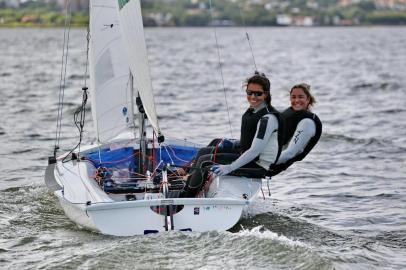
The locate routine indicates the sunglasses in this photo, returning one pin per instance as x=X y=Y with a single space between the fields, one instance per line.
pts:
x=255 y=93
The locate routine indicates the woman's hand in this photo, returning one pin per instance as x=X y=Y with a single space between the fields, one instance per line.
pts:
x=221 y=169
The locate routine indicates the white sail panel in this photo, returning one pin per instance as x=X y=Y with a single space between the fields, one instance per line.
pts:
x=132 y=30
x=111 y=96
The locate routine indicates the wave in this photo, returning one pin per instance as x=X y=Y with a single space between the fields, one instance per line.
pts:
x=263 y=233
x=373 y=147
x=393 y=239
x=365 y=141
x=5 y=74
x=374 y=86
x=391 y=111
x=24 y=151
x=344 y=196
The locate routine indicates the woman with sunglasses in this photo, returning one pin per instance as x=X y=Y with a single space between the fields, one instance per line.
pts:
x=302 y=128
x=260 y=141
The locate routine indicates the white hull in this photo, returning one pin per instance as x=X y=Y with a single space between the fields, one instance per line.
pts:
x=86 y=204
x=76 y=212
x=137 y=217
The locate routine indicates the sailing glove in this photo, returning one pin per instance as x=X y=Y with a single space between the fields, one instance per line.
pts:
x=221 y=169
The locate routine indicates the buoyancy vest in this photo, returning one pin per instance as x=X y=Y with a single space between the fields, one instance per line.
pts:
x=249 y=127
x=249 y=124
x=291 y=119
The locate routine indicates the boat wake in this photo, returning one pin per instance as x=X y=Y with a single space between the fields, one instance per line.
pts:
x=262 y=233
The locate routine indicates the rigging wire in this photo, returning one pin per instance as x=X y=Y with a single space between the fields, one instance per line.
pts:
x=220 y=66
x=84 y=88
x=87 y=54
x=79 y=119
x=248 y=37
x=62 y=83
x=79 y=115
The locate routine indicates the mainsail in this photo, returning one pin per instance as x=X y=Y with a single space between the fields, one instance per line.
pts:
x=110 y=87
x=132 y=30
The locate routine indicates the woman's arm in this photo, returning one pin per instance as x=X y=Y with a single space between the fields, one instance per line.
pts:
x=305 y=130
x=266 y=126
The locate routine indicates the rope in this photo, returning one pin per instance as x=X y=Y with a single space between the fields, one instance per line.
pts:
x=220 y=67
x=248 y=37
x=62 y=81
x=174 y=154
x=268 y=179
x=79 y=122
x=87 y=54
x=83 y=112
x=206 y=186
x=216 y=149
x=166 y=149
x=153 y=150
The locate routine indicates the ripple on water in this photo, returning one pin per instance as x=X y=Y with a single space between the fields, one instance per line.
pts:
x=24 y=241
x=345 y=202
x=393 y=239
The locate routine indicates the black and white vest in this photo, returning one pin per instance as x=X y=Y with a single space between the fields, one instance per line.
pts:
x=249 y=127
x=291 y=119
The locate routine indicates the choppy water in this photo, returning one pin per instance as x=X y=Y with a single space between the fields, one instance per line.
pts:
x=344 y=207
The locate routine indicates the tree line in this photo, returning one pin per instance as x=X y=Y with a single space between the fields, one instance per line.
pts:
x=226 y=13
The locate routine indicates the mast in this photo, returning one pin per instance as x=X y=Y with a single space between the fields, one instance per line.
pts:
x=142 y=161
x=132 y=106
x=141 y=126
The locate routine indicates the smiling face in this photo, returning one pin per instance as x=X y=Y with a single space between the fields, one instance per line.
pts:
x=299 y=100
x=255 y=94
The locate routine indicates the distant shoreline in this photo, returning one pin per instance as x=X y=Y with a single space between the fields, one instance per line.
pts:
x=225 y=27
x=39 y=14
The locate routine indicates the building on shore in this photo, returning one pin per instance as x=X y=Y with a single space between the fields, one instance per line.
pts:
x=288 y=20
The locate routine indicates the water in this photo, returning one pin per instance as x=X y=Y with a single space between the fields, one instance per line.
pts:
x=343 y=207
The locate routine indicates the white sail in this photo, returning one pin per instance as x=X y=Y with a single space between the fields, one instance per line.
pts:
x=111 y=96
x=132 y=30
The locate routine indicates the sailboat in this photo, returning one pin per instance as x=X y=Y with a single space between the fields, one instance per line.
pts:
x=127 y=182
